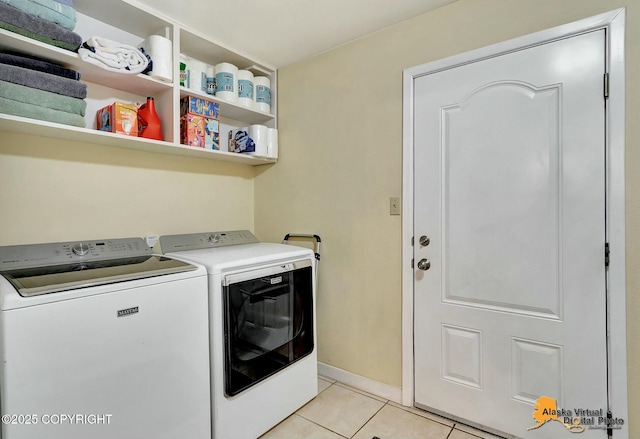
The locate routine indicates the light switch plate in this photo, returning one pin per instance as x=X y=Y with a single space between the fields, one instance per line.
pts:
x=394 y=206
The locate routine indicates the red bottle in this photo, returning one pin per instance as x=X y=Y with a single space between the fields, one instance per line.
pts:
x=149 y=125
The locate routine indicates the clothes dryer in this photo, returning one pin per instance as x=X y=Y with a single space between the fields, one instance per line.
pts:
x=262 y=323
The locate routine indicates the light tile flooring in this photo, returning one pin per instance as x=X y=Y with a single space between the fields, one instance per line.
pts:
x=340 y=412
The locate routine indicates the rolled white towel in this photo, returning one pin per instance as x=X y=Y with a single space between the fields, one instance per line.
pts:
x=114 y=56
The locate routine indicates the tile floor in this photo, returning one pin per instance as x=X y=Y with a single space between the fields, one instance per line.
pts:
x=340 y=412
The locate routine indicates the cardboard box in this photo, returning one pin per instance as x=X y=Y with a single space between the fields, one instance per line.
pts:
x=119 y=117
x=240 y=141
x=212 y=133
x=200 y=131
x=199 y=106
x=192 y=130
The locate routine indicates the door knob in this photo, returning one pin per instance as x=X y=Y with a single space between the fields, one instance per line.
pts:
x=424 y=264
x=424 y=240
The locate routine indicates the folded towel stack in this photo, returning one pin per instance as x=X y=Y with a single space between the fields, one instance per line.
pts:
x=114 y=56
x=49 y=21
x=41 y=90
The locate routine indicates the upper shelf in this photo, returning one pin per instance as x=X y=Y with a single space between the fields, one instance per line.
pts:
x=141 y=20
x=230 y=110
x=200 y=47
x=125 y=15
x=139 y=84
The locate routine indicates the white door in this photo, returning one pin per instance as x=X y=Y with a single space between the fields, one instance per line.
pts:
x=510 y=190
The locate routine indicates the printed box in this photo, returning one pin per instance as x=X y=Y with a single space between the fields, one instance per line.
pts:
x=212 y=134
x=199 y=106
x=119 y=117
x=192 y=130
x=240 y=141
x=200 y=131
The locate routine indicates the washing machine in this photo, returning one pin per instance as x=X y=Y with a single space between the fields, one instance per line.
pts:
x=262 y=323
x=102 y=340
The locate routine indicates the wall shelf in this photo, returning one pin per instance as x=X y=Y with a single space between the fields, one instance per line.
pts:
x=230 y=110
x=23 y=125
x=130 y=23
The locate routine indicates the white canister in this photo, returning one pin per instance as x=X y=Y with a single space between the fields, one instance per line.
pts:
x=258 y=133
x=159 y=50
x=272 y=143
x=197 y=75
x=245 y=88
x=227 y=82
x=211 y=79
x=262 y=86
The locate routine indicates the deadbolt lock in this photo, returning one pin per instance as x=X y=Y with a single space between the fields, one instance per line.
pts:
x=424 y=240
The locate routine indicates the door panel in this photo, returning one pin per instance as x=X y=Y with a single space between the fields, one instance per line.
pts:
x=536 y=369
x=509 y=186
x=462 y=355
x=519 y=126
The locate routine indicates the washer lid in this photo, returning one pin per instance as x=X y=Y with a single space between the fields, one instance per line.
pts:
x=48 y=268
x=56 y=278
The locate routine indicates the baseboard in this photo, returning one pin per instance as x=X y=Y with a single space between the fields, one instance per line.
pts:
x=368 y=385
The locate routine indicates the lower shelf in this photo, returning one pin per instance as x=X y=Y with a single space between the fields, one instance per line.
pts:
x=23 y=125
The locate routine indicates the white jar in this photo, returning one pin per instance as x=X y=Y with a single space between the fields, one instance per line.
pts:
x=262 y=86
x=246 y=95
x=227 y=82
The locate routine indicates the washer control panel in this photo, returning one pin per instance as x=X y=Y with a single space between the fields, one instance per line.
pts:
x=197 y=241
x=41 y=255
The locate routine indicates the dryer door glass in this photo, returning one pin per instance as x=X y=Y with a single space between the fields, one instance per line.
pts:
x=268 y=324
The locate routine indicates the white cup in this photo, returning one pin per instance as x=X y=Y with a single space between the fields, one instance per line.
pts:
x=259 y=135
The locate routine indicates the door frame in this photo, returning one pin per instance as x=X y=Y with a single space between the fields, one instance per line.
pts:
x=613 y=22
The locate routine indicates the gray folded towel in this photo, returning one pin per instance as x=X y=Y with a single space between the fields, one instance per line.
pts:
x=49 y=10
x=38 y=64
x=9 y=106
x=43 y=81
x=28 y=95
x=15 y=20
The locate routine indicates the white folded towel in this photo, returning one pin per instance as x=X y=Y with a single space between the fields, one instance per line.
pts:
x=114 y=56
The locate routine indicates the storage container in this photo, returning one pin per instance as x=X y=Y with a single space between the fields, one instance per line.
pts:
x=119 y=117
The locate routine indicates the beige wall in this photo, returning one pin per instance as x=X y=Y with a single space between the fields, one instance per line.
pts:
x=340 y=120
x=52 y=190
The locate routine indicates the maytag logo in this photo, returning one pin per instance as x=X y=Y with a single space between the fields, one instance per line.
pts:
x=127 y=312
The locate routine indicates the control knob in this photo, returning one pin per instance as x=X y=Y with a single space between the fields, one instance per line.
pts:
x=80 y=249
x=214 y=239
